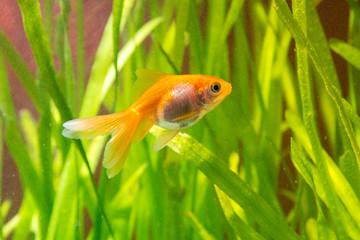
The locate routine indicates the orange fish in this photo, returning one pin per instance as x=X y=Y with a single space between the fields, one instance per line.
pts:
x=173 y=102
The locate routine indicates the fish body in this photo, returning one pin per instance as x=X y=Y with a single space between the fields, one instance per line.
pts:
x=172 y=102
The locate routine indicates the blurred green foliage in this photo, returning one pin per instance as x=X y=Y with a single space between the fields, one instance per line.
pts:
x=219 y=179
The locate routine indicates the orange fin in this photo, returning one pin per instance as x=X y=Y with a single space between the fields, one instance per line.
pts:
x=142 y=129
x=122 y=127
x=91 y=127
x=163 y=138
x=116 y=152
x=145 y=79
x=111 y=172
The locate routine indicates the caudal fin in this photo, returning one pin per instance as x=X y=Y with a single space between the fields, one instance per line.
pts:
x=124 y=128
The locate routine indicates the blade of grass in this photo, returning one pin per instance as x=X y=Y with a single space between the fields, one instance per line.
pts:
x=10 y=226
x=215 y=20
x=350 y=172
x=311 y=175
x=308 y=113
x=232 y=185
x=5 y=208
x=243 y=230
x=41 y=49
x=21 y=70
x=241 y=85
x=125 y=53
x=345 y=50
x=328 y=79
x=167 y=57
x=142 y=228
x=80 y=54
x=356 y=9
x=266 y=62
x=29 y=130
x=37 y=138
x=45 y=150
x=14 y=142
x=344 y=190
x=174 y=214
x=26 y=215
x=199 y=228
x=48 y=18
x=181 y=20
x=102 y=192
x=64 y=204
x=303 y=166
x=1 y=169
x=94 y=151
x=98 y=71
x=126 y=187
x=66 y=77
x=154 y=189
x=302 y=15
x=270 y=145
x=34 y=30
x=116 y=13
x=231 y=17
x=196 y=40
x=101 y=65
x=354 y=37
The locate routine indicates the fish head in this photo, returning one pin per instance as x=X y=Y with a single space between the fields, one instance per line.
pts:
x=210 y=91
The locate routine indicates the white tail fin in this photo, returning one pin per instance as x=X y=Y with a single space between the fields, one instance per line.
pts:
x=122 y=126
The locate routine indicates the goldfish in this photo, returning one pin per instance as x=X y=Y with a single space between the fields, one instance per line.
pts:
x=173 y=102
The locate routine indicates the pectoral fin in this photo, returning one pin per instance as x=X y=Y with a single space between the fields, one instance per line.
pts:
x=163 y=138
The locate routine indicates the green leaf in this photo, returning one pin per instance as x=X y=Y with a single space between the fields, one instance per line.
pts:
x=125 y=54
x=20 y=68
x=199 y=228
x=2 y=143
x=40 y=46
x=345 y=50
x=350 y=171
x=195 y=40
x=303 y=166
x=28 y=128
x=240 y=227
x=117 y=12
x=94 y=97
x=181 y=20
x=102 y=63
x=66 y=77
x=215 y=20
x=232 y=185
x=26 y=215
x=329 y=79
x=343 y=189
x=80 y=54
x=64 y=211
x=16 y=146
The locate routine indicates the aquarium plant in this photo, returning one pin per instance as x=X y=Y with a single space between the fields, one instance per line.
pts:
x=279 y=158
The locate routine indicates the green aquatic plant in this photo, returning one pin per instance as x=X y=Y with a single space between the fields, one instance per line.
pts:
x=219 y=179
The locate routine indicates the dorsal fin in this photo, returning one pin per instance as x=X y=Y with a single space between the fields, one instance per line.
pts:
x=145 y=79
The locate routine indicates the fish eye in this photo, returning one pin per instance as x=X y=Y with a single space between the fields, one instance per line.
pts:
x=215 y=87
